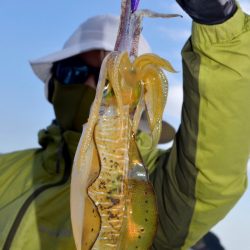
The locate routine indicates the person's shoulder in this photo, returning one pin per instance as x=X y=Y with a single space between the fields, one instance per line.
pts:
x=17 y=156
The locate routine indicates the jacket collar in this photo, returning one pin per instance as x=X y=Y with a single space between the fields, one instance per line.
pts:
x=52 y=141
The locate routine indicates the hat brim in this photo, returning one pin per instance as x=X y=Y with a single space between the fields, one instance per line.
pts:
x=167 y=132
x=42 y=66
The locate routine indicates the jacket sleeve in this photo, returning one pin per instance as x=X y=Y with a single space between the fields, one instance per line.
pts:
x=205 y=174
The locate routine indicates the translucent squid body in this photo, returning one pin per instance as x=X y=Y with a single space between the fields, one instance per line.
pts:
x=112 y=202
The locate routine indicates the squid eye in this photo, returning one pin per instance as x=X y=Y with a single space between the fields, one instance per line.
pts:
x=107 y=90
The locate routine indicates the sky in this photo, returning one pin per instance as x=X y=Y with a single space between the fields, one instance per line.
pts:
x=31 y=29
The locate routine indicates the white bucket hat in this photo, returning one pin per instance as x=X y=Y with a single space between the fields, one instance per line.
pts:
x=98 y=32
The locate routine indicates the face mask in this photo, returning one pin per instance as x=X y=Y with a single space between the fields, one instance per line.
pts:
x=72 y=105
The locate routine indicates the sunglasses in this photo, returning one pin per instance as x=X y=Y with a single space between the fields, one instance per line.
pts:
x=74 y=71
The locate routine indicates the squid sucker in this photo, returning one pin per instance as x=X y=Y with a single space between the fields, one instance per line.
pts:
x=113 y=205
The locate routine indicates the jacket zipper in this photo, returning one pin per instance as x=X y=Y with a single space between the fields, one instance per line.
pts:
x=34 y=195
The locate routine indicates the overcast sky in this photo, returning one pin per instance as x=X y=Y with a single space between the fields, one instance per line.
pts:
x=31 y=29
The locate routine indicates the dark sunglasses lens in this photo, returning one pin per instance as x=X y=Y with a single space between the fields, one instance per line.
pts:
x=67 y=74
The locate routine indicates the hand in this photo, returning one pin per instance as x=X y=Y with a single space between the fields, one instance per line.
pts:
x=209 y=11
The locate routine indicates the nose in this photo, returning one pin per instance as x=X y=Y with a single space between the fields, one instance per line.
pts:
x=91 y=82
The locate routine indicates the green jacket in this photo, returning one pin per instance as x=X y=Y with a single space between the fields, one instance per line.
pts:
x=196 y=183
x=34 y=194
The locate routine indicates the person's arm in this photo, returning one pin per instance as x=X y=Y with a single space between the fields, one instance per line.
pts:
x=205 y=174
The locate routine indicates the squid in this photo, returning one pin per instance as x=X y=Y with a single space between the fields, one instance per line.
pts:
x=113 y=205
